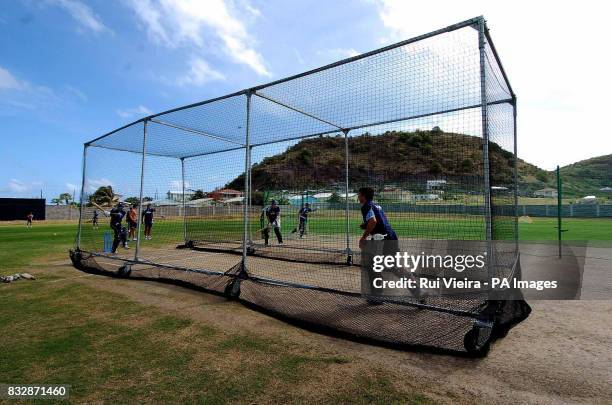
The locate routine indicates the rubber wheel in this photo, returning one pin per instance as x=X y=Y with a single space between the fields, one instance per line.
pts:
x=124 y=271
x=473 y=344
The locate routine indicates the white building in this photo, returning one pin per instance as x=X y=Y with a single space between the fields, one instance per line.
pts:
x=546 y=192
x=178 y=195
x=436 y=185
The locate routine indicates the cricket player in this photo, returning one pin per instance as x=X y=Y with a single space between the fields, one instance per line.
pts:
x=29 y=219
x=132 y=220
x=147 y=218
x=94 y=220
x=377 y=227
x=120 y=233
x=272 y=214
x=303 y=219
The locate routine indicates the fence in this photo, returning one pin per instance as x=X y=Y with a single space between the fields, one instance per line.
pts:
x=431 y=111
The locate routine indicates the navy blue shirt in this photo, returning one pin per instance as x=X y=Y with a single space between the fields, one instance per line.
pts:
x=272 y=213
x=304 y=212
x=147 y=215
x=116 y=215
x=371 y=210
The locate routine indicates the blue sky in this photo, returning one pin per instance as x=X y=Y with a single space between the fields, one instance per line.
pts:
x=71 y=70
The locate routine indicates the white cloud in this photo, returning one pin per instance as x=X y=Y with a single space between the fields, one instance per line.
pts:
x=130 y=112
x=192 y=23
x=199 y=73
x=94 y=184
x=556 y=69
x=8 y=81
x=338 y=53
x=83 y=15
x=17 y=186
x=18 y=93
x=177 y=185
x=71 y=186
x=76 y=92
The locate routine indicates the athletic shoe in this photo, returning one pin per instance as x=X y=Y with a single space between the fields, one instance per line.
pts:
x=281 y=244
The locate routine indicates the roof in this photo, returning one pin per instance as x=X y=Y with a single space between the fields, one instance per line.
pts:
x=547 y=189
x=227 y=191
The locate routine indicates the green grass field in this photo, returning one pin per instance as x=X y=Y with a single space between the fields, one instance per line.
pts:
x=109 y=348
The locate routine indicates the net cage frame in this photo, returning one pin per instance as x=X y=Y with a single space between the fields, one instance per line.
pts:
x=490 y=318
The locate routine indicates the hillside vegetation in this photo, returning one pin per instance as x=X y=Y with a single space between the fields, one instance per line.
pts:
x=408 y=159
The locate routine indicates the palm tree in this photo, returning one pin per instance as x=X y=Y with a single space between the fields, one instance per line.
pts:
x=66 y=197
x=104 y=196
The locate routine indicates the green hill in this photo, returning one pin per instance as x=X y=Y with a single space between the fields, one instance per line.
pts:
x=401 y=158
x=588 y=176
x=408 y=159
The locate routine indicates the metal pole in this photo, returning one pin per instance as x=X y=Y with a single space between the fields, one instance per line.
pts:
x=250 y=191
x=516 y=185
x=559 y=199
x=247 y=169
x=485 y=145
x=184 y=209
x=78 y=245
x=349 y=255
x=142 y=167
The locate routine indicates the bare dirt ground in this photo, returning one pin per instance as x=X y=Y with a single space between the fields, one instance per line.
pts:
x=561 y=354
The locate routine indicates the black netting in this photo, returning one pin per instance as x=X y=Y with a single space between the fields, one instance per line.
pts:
x=254 y=195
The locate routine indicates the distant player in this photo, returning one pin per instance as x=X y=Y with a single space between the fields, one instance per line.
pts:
x=94 y=220
x=272 y=215
x=303 y=219
x=29 y=219
x=147 y=218
x=132 y=220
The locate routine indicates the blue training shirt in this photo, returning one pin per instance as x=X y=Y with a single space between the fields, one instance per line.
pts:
x=371 y=210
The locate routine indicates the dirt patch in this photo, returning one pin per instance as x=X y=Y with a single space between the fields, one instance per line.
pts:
x=562 y=353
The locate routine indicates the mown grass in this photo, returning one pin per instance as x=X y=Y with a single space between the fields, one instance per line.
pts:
x=110 y=349
x=20 y=246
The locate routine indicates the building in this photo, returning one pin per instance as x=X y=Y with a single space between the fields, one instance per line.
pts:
x=324 y=197
x=589 y=199
x=425 y=197
x=301 y=199
x=224 y=194
x=396 y=194
x=436 y=186
x=178 y=195
x=200 y=202
x=546 y=192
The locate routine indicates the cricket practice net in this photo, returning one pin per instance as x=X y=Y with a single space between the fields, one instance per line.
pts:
x=428 y=123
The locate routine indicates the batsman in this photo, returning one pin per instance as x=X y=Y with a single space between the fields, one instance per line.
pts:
x=272 y=214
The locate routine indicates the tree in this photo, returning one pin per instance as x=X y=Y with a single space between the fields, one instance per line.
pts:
x=56 y=201
x=133 y=201
x=435 y=168
x=104 y=196
x=65 y=197
x=197 y=195
x=335 y=198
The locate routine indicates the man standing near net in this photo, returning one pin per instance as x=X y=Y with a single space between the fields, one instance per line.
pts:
x=147 y=218
x=132 y=220
x=272 y=214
